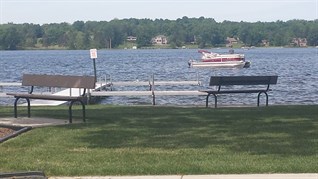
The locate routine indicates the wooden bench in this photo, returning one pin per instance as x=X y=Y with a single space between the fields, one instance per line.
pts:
x=59 y=81
x=227 y=84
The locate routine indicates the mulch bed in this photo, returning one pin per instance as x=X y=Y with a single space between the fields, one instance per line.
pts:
x=4 y=131
x=8 y=132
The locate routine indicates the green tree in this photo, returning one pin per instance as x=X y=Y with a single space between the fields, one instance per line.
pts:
x=144 y=36
x=205 y=31
x=312 y=36
x=10 y=38
x=54 y=34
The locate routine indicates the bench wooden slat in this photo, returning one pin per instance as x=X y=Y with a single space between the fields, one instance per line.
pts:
x=59 y=81
x=46 y=97
x=234 y=91
x=242 y=80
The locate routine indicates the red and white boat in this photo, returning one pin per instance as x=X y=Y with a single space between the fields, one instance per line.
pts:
x=210 y=59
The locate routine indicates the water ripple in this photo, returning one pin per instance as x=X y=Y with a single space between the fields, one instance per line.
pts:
x=297 y=69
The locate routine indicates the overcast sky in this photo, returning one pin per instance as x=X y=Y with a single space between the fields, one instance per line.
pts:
x=57 y=11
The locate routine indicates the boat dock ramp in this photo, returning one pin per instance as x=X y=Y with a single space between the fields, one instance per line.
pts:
x=5 y=85
x=106 y=89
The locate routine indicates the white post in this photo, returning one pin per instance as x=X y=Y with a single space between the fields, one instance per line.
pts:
x=93 y=54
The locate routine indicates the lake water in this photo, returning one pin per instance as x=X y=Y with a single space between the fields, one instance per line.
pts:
x=297 y=69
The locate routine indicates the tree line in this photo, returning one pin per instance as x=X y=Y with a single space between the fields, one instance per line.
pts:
x=203 y=32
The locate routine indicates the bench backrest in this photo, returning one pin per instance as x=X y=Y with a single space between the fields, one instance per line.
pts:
x=242 y=80
x=61 y=81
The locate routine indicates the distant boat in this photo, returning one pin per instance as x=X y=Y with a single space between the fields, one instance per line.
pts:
x=210 y=59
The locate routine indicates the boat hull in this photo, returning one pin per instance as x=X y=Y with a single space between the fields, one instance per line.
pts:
x=228 y=64
x=224 y=58
x=214 y=60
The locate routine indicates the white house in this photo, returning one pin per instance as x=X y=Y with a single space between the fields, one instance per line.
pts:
x=131 y=38
x=160 y=40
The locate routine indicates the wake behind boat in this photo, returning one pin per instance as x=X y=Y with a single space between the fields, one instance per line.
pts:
x=210 y=59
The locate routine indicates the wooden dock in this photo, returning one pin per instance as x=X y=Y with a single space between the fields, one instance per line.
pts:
x=65 y=92
x=111 y=85
x=2 y=84
x=152 y=93
x=147 y=93
x=7 y=84
x=146 y=83
x=100 y=92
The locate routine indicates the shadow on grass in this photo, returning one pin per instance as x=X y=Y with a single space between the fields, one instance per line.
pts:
x=283 y=130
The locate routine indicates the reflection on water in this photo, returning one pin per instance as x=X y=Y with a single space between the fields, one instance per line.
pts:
x=297 y=69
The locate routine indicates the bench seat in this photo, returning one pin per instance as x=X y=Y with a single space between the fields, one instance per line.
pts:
x=225 y=84
x=233 y=91
x=60 y=81
x=46 y=96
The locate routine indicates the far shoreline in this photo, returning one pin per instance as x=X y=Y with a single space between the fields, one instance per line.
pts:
x=162 y=47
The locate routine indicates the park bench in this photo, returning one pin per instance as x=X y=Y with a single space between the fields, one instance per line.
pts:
x=55 y=81
x=240 y=84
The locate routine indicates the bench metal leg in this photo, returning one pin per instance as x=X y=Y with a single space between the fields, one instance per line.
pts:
x=70 y=110
x=153 y=99
x=207 y=100
x=215 y=100
x=29 y=107
x=16 y=107
x=258 y=97
x=83 y=110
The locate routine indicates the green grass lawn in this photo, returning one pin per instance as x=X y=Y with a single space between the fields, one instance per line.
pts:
x=148 y=140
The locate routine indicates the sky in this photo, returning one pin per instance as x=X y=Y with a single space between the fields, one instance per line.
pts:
x=58 y=11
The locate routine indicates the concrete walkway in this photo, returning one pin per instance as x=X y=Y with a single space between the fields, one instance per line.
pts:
x=231 y=176
x=34 y=121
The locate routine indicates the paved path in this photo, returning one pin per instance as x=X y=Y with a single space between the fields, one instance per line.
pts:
x=241 y=176
x=34 y=121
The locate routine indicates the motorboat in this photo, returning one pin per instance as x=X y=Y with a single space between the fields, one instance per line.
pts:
x=210 y=59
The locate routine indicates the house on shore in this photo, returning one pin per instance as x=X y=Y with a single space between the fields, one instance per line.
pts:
x=230 y=41
x=131 y=38
x=299 y=42
x=265 y=43
x=159 y=40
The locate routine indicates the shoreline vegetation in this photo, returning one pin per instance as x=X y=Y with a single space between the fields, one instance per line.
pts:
x=162 y=47
x=167 y=140
x=145 y=33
